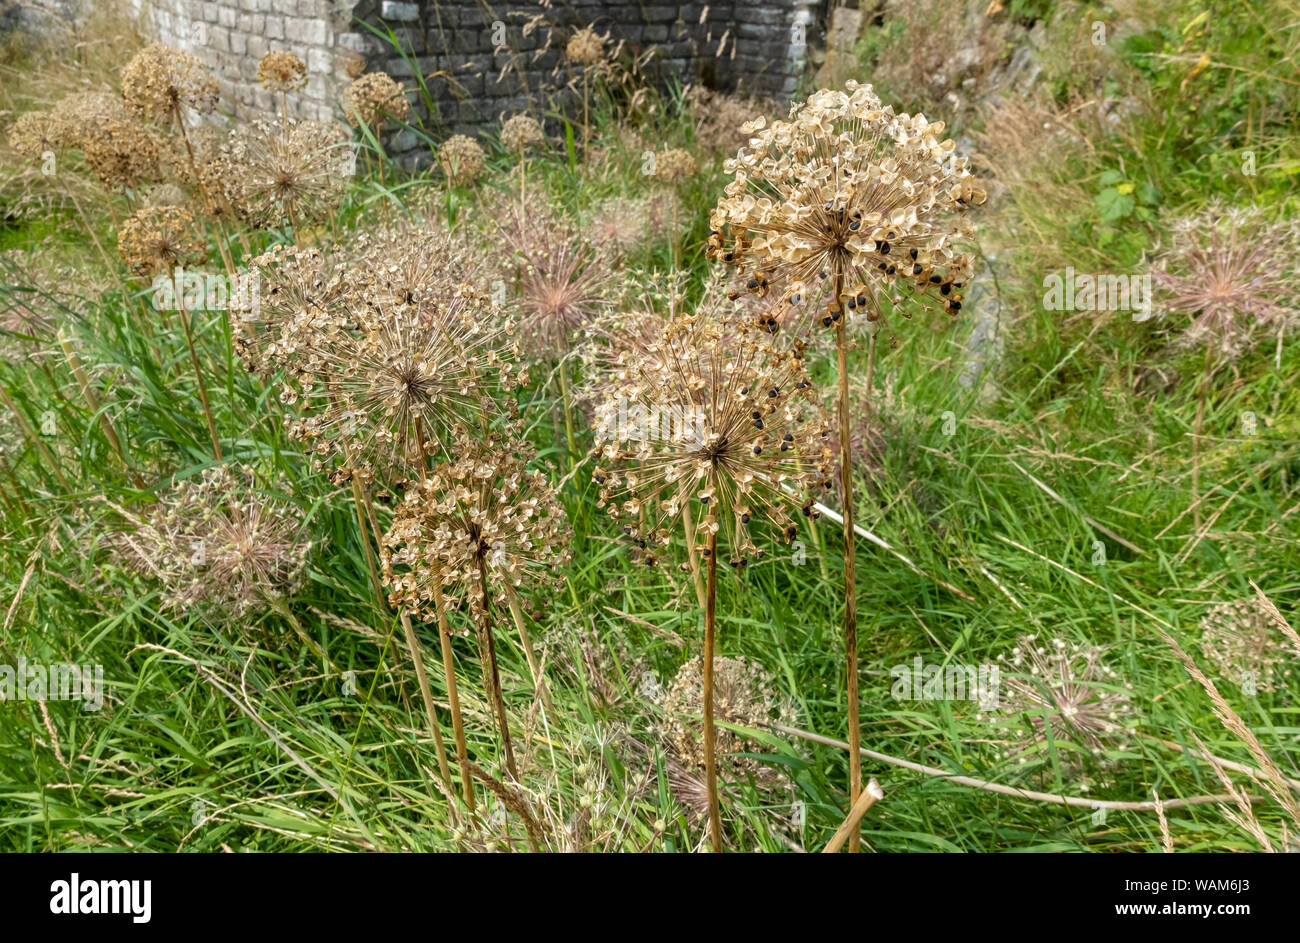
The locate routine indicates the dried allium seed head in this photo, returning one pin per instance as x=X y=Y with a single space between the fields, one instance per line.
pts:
x=218 y=544
x=586 y=47
x=673 y=166
x=159 y=81
x=521 y=133
x=563 y=279
x=744 y=694
x=711 y=415
x=1069 y=688
x=462 y=160
x=483 y=517
x=122 y=152
x=352 y=64
x=34 y=133
x=291 y=170
x=719 y=118
x=383 y=394
x=78 y=114
x=1233 y=272
x=281 y=71
x=1237 y=638
x=846 y=193
x=624 y=224
x=165 y=194
x=156 y=239
x=374 y=98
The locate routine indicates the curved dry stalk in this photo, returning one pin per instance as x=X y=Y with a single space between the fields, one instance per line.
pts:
x=710 y=735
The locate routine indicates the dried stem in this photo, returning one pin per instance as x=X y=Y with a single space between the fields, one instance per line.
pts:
x=426 y=695
x=491 y=674
x=710 y=761
x=453 y=696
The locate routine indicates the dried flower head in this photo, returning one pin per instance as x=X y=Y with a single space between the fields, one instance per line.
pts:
x=673 y=165
x=292 y=170
x=34 y=133
x=218 y=544
x=522 y=133
x=374 y=98
x=352 y=64
x=281 y=71
x=482 y=521
x=302 y=298
x=1237 y=638
x=586 y=47
x=165 y=194
x=159 y=81
x=462 y=160
x=846 y=197
x=78 y=114
x=719 y=118
x=711 y=415
x=562 y=277
x=122 y=152
x=744 y=694
x=383 y=395
x=1069 y=688
x=624 y=224
x=156 y=239
x=1233 y=272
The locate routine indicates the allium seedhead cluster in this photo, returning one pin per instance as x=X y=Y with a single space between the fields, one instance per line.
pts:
x=1068 y=687
x=281 y=71
x=156 y=239
x=122 y=152
x=674 y=165
x=1237 y=638
x=34 y=133
x=482 y=521
x=216 y=543
x=1233 y=272
x=286 y=170
x=719 y=119
x=743 y=441
x=374 y=98
x=744 y=694
x=563 y=279
x=521 y=133
x=462 y=160
x=159 y=81
x=586 y=47
x=846 y=193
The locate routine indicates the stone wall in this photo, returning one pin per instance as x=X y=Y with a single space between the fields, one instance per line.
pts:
x=478 y=61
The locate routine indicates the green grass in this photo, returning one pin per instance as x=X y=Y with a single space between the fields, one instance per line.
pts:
x=221 y=735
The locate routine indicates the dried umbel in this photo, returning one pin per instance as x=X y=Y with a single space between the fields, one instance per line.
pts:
x=481 y=522
x=586 y=47
x=122 y=152
x=156 y=239
x=674 y=165
x=521 y=133
x=80 y=113
x=563 y=278
x=624 y=224
x=159 y=82
x=375 y=98
x=291 y=170
x=719 y=118
x=1237 y=638
x=711 y=417
x=1233 y=272
x=846 y=196
x=744 y=694
x=303 y=299
x=216 y=543
x=281 y=71
x=462 y=160
x=34 y=133
x=1069 y=688
x=382 y=397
